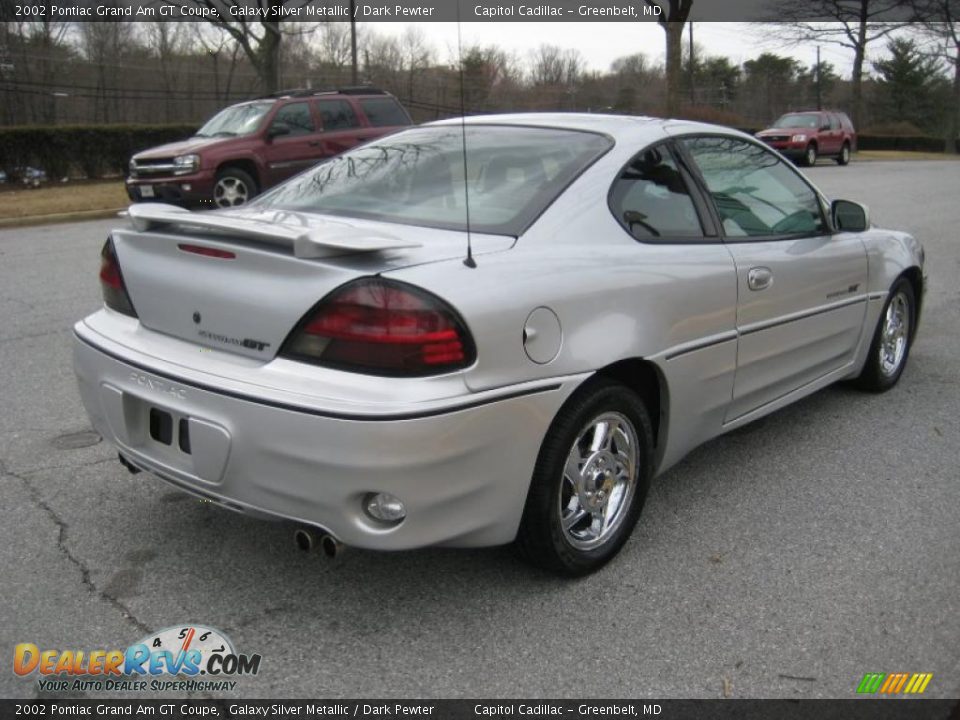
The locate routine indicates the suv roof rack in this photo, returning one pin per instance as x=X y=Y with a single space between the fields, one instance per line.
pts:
x=309 y=92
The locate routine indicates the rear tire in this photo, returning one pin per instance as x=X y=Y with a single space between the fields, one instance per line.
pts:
x=590 y=480
x=233 y=188
x=844 y=157
x=891 y=340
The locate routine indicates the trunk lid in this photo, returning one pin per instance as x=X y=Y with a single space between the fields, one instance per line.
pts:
x=282 y=264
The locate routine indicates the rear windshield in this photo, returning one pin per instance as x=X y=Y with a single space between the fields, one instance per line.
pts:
x=798 y=120
x=416 y=177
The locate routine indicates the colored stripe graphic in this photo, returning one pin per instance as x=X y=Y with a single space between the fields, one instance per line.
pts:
x=870 y=683
x=894 y=683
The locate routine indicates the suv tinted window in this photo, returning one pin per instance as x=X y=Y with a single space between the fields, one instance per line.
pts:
x=755 y=193
x=384 y=112
x=651 y=200
x=297 y=117
x=337 y=115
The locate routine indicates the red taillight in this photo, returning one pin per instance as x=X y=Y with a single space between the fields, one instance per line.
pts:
x=111 y=282
x=382 y=327
x=207 y=251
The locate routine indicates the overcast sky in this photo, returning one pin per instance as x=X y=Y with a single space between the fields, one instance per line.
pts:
x=602 y=43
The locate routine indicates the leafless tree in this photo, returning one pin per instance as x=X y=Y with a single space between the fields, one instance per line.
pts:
x=552 y=65
x=261 y=40
x=217 y=45
x=169 y=45
x=939 y=23
x=673 y=16
x=417 y=54
x=104 y=44
x=853 y=24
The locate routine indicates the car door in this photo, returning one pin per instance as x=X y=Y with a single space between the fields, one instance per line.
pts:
x=834 y=133
x=688 y=288
x=296 y=149
x=801 y=289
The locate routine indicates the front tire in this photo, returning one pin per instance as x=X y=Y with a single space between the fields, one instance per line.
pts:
x=810 y=155
x=891 y=340
x=233 y=188
x=590 y=481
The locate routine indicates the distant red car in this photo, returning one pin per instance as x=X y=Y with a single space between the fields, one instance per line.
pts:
x=249 y=147
x=805 y=136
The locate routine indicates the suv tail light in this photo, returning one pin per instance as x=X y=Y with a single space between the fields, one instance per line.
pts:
x=382 y=327
x=115 y=294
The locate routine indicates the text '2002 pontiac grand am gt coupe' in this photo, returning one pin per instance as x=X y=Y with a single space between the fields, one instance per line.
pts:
x=331 y=355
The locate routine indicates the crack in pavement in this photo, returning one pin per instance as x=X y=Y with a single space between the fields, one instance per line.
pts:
x=6 y=340
x=63 y=529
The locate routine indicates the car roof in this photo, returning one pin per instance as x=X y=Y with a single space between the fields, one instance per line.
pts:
x=619 y=127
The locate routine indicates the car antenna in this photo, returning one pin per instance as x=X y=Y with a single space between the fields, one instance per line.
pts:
x=468 y=261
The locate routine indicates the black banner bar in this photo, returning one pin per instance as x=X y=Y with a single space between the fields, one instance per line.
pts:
x=857 y=709
x=422 y=10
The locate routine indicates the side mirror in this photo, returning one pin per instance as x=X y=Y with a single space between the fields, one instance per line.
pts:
x=849 y=216
x=824 y=127
x=277 y=129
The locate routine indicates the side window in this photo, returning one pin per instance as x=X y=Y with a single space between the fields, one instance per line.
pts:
x=834 y=122
x=337 y=115
x=651 y=200
x=297 y=117
x=384 y=112
x=755 y=193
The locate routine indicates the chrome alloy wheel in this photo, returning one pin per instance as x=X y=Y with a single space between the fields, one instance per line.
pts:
x=599 y=480
x=230 y=192
x=845 y=155
x=895 y=334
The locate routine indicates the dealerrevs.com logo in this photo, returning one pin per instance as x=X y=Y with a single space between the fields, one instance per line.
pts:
x=179 y=658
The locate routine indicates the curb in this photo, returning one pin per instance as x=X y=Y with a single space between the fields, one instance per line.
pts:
x=76 y=216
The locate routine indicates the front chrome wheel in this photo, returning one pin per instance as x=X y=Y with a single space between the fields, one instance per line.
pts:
x=895 y=335
x=890 y=347
x=599 y=480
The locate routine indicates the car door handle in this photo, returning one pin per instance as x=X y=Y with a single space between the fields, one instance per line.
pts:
x=759 y=278
x=314 y=143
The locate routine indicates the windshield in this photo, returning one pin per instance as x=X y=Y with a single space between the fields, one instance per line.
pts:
x=797 y=120
x=416 y=177
x=236 y=120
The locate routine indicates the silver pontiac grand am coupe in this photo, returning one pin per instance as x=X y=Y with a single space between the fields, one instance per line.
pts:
x=490 y=331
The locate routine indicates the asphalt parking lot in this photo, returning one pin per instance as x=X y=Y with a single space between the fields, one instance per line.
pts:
x=784 y=560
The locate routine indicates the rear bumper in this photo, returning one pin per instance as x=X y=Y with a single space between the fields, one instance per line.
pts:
x=194 y=189
x=462 y=473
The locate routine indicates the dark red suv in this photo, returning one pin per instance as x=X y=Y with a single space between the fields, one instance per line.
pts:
x=805 y=136
x=249 y=147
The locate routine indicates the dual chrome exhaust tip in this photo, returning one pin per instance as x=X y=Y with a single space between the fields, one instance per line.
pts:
x=310 y=540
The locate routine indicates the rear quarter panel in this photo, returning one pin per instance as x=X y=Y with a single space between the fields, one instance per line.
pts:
x=615 y=298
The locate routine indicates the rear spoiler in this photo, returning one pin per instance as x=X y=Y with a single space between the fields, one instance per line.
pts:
x=334 y=238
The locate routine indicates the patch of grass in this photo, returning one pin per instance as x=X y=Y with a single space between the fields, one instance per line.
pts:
x=902 y=155
x=53 y=199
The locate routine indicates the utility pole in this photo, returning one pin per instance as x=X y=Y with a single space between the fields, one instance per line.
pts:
x=693 y=96
x=353 y=41
x=819 y=99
